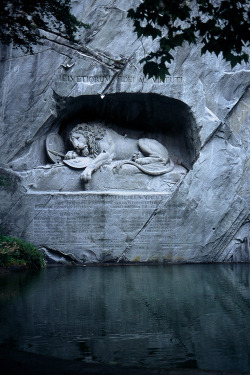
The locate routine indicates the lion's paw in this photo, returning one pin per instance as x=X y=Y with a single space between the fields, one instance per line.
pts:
x=70 y=155
x=86 y=175
x=135 y=156
x=117 y=167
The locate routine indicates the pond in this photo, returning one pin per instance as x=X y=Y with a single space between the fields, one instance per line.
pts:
x=186 y=316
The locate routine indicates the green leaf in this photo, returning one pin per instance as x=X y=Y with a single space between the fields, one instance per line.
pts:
x=167 y=57
x=222 y=26
x=150 y=69
x=131 y=13
x=158 y=71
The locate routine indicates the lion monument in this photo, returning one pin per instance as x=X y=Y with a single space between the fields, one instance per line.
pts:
x=95 y=146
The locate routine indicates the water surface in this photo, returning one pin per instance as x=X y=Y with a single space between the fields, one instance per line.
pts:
x=147 y=316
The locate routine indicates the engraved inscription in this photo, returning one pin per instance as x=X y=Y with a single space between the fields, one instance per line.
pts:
x=97 y=79
x=92 y=219
x=120 y=225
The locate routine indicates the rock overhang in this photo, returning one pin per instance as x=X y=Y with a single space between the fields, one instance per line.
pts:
x=143 y=113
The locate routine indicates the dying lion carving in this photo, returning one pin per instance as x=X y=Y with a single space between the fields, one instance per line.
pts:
x=100 y=146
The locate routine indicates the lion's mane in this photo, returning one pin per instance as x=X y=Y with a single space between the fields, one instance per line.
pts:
x=92 y=133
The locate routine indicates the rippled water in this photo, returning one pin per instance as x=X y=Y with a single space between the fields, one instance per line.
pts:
x=149 y=316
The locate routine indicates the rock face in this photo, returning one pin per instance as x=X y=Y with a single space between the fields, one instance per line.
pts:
x=197 y=212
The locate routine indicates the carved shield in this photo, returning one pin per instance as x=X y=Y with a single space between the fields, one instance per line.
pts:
x=55 y=147
x=79 y=162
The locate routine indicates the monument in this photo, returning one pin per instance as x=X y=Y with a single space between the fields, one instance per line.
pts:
x=101 y=164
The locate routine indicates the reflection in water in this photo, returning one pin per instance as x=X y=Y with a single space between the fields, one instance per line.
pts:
x=12 y=285
x=152 y=316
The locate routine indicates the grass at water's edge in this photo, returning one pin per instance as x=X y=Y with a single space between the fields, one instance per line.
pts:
x=16 y=253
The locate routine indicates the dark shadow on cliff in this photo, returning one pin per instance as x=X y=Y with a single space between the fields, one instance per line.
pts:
x=168 y=120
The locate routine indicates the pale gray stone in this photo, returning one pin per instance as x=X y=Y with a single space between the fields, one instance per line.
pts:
x=55 y=147
x=96 y=146
x=198 y=212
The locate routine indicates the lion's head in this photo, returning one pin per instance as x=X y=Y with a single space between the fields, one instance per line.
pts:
x=85 y=137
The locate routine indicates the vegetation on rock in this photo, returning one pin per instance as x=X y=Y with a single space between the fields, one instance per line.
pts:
x=15 y=252
x=221 y=26
x=22 y=22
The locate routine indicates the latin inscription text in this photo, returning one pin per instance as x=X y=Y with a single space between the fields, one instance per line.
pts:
x=95 y=79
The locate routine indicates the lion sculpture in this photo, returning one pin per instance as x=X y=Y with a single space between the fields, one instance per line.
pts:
x=99 y=146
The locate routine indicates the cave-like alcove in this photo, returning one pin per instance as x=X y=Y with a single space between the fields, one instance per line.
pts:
x=168 y=120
